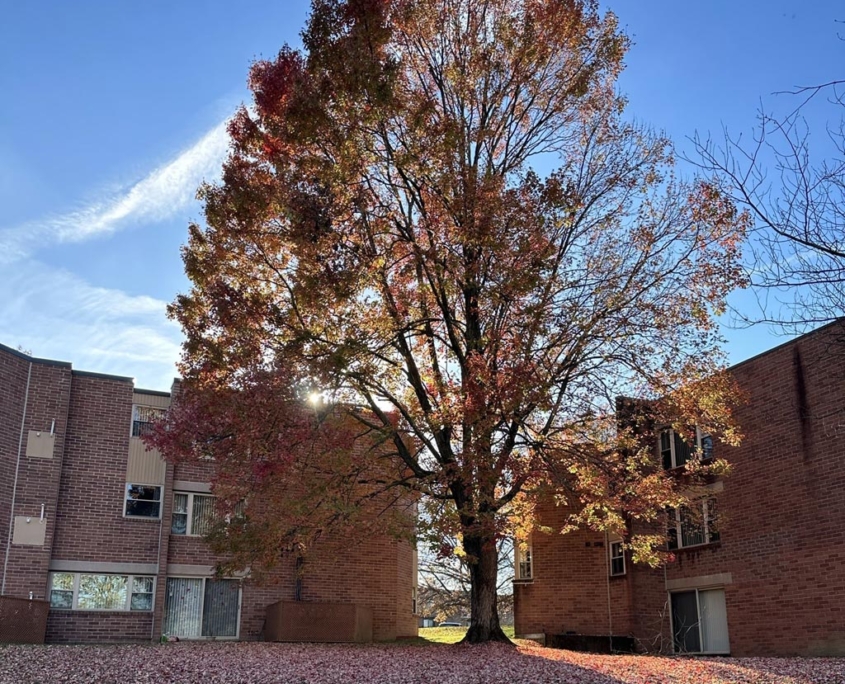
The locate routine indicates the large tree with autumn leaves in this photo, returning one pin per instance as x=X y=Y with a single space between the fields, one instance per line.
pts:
x=436 y=214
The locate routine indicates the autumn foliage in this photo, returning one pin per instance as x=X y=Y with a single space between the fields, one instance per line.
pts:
x=437 y=215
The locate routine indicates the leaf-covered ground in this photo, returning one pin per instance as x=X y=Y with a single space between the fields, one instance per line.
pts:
x=212 y=663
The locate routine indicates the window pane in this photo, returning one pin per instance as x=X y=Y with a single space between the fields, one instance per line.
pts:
x=143 y=493
x=685 y=622
x=183 y=607
x=102 y=592
x=179 y=525
x=666 y=449
x=203 y=514
x=220 y=608
x=706 y=447
x=712 y=521
x=63 y=580
x=714 y=621
x=682 y=450
x=142 y=585
x=143 y=509
x=143 y=418
x=141 y=602
x=692 y=530
x=61 y=599
x=180 y=503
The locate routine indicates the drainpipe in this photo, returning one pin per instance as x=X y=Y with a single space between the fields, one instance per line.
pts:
x=15 y=486
x=607 y=582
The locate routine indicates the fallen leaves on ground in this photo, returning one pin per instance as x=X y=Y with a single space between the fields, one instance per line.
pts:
x=257 y=663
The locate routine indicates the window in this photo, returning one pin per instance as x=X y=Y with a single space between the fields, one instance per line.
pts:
x=142 y=501
x=84 y=591
x=414 y=600
x=700 y=621
x=693 y=527
x=617 y=559
x=193 y=514
x=143 y=418
x=675 y=451
x=524 y=562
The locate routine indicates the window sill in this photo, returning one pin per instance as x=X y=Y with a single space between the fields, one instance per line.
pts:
x=524 y=581
x=624 y=575
x=697 y=547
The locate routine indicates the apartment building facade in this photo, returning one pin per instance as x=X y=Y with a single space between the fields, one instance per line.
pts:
x=111 y=534
x=759 y=570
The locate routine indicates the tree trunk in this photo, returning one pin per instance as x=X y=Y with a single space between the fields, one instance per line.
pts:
x=483 y=572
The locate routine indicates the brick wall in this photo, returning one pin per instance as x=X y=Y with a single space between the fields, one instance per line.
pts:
x=83 y=489
x=781 y=510
x=571 y=590
x=13 y=376
x=83 y=626
x=46 y=404
x=91 y=525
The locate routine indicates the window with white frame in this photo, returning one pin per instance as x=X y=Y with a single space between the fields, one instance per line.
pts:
x=676 y=451
x=88 y=591
x=524 y=562
x=693 y=526
x=193 y=514
x=700 y=621
x=142 y=501
x=617 y=558
x=143 y=418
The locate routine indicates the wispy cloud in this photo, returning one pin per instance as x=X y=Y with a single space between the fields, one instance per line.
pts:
x=163 y=193
x=56 y=314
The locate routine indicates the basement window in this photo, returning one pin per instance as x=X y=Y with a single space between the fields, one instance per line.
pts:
x=87 y=591
x=142 y=501
x=700 y=621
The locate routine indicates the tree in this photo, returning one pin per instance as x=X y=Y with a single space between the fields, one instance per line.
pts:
x=382 y=233
x=798 y=258
x=445 y=588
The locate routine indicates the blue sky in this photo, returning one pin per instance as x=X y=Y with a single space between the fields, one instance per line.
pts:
x=112 y=113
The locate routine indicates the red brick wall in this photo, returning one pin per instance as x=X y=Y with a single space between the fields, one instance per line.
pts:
x=83 y=626
x=13 y=373
x=83 y=489
x=781 y=511
x=38 y=478
x=570 y=585
x=91 y=525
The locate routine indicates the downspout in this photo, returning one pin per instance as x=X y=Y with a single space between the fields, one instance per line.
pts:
x=158 y=561
x=607 y=582
x=15 y=486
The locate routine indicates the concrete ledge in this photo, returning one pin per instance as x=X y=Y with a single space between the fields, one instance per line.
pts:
x=318 y=622
x=699 y=582
x=185 y=486
x=107 y=568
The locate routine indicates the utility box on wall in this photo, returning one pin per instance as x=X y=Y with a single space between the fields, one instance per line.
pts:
x=23 y=621
x=321 y=622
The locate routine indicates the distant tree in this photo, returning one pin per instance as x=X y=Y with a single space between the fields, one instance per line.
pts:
x=381 y=234
x=795 y=194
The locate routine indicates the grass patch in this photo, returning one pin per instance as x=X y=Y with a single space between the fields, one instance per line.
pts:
x=450 y=635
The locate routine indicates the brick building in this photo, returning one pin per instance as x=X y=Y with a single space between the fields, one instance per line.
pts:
x=110 y=534
x=766 y=576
